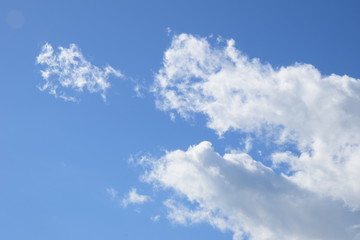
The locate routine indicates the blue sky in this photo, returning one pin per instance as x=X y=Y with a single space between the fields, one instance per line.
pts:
x=66 y=170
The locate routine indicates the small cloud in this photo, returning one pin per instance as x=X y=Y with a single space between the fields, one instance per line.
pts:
x=67 y=73
x=155 y=218
x=248 y=144
x=134 y=198
x=113 y=193
x=138 y=91
x=140 y=159
x=172 y=117
x=168 y=31
x=140 y=88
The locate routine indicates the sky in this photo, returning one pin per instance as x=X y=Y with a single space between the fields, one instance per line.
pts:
x=180 y=120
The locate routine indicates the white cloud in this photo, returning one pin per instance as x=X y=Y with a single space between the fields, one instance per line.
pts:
x=236 y=193
x=68 y=72
x=133 y=197
x=155 y=218
x=113 y=193
x=172 y=116
x=289 y=105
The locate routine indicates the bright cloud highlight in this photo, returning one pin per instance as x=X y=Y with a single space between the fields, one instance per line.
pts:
x=236 y=193
x=287 y=105
x=68 y=71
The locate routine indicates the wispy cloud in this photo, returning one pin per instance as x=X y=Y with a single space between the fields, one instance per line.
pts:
x=288 y=105
x=133 y=197
x=113 y=193
x=67 y=72
x=236 y=193
x=155 y=218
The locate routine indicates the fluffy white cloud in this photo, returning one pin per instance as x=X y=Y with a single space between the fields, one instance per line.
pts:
x=67 y=70
x=133 y=197
x=234 y=192
x=294 y=104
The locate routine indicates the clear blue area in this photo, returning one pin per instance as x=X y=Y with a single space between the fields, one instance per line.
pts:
x=57 y=158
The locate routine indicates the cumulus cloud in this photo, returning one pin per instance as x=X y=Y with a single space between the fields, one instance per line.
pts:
x=133 y=197
x=236 y=193
x=68 y=73
x=296 y=105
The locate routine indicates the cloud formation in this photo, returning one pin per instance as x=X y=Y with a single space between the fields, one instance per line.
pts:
x=236 y=193
x=288 y=105
x=133 y=197
x=113 y=193
x=68 y=72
